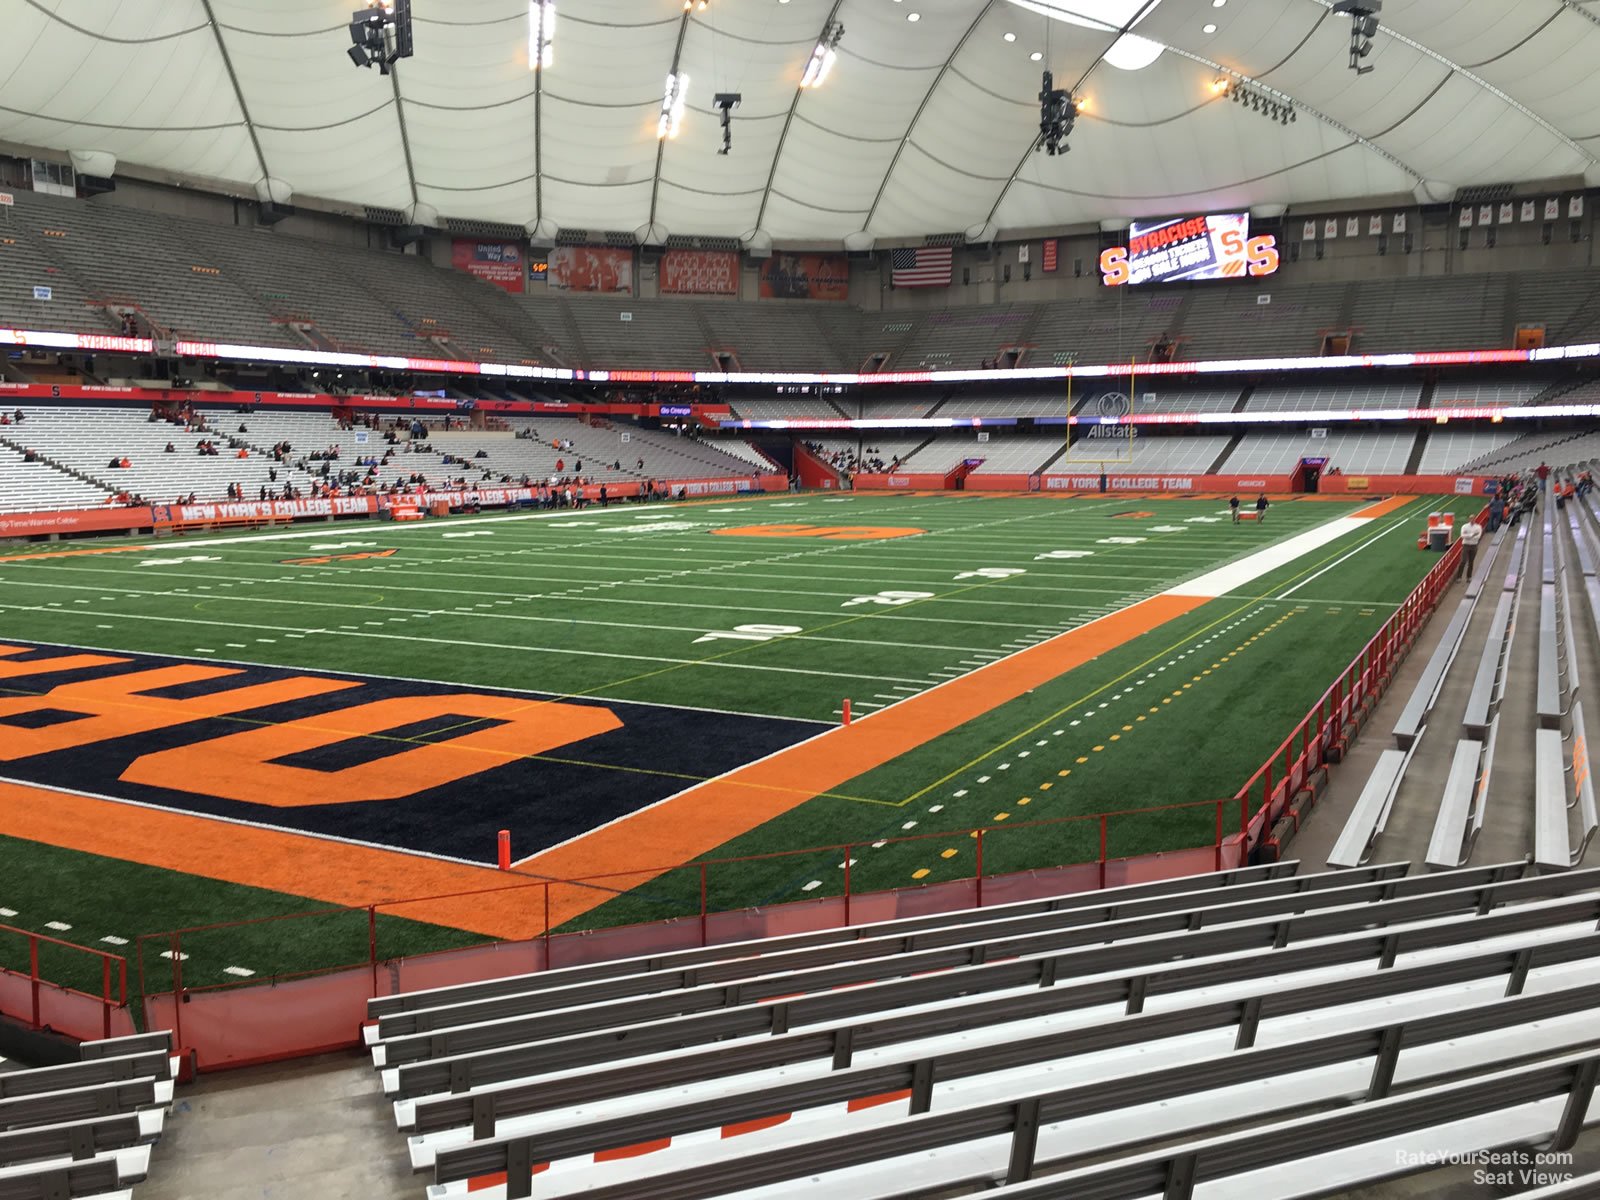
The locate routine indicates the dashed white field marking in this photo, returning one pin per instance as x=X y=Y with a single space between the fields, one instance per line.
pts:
x=8 y=912
x=812 y=886
x=242 y=972
x=58 y=926
x=168 y=955
x=465 y=533
x=112 y=939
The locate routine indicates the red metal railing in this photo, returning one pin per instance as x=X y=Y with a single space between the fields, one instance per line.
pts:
x=1266 y=794
x=320 y=1007
x=44 y=1003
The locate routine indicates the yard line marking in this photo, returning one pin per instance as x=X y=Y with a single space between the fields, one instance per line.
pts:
x=113 y=940
x=8 y=912
x=242 y=972
x=58 y=926
x=390 y=637
x=1337 y=561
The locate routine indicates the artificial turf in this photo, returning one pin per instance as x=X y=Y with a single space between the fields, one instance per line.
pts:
x=624 y=605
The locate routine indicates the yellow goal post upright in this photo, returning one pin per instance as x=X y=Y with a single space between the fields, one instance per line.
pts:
x=1124 y=436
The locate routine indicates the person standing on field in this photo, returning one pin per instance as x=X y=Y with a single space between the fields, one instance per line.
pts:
x=1233 y=505
x=1469 y=537
x=1261 y=508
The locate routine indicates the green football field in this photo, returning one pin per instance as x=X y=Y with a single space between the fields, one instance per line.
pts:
x=719 y=632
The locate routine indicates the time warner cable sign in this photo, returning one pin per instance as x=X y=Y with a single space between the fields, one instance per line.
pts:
x=1216 y=246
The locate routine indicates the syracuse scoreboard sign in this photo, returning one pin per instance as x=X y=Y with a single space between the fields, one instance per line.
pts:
x=1215 y=246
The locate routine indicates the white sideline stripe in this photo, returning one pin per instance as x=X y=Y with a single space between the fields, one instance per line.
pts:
x=1251 y=567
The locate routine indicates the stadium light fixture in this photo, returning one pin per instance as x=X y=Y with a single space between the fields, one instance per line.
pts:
x=823 y=57
x=380 y=34
x=1058 y=112
x=1363 y=16
x=672 y=102
x=725 y=103
x=541 y=33
x=1269 y=102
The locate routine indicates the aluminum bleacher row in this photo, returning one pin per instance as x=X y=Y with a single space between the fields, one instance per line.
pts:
x=85 y=1128
x=1275 y=1032
x=1548 y=580
x=75 y=445
x=194 y=278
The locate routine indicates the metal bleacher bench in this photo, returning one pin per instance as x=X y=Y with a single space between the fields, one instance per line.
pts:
x=98 y=1177
x=1298 y=1153
x=1413 y=718
x=1273 y=1038
x=495 y=1051
x=1131 y=947
x=446 y=1122
x=733 y=960
x=1371 y=812
x=1552 y=839
x=1463 y=805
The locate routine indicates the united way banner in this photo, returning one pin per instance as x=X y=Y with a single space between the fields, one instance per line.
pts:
x=700 y=272
x=591 y=269
x=499 y=263
x=806 y=277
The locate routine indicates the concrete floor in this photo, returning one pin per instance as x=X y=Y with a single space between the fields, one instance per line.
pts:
x=315 y=1129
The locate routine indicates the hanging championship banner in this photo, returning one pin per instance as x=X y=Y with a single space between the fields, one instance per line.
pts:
x=700 y=273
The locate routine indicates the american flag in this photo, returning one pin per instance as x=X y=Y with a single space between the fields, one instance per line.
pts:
x=925 y=266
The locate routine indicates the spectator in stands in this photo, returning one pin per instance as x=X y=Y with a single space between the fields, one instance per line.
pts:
x=1261 y=508
x=1543 y=472
x=18 y=416
x=171 y=449
x=1497 y=511
x=30 y=455
x=263 y=495
x=1469 y=537
x=639 y=466
x=561 y=465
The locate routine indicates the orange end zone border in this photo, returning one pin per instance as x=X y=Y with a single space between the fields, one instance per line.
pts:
x=642 y=845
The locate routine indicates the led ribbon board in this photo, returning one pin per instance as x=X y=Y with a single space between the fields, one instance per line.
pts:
x=1214 y=246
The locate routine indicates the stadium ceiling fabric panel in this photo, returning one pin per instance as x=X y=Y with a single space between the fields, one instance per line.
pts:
x=926 y=123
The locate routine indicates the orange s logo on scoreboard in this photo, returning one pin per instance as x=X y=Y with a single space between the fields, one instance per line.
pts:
x=1255 y=256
